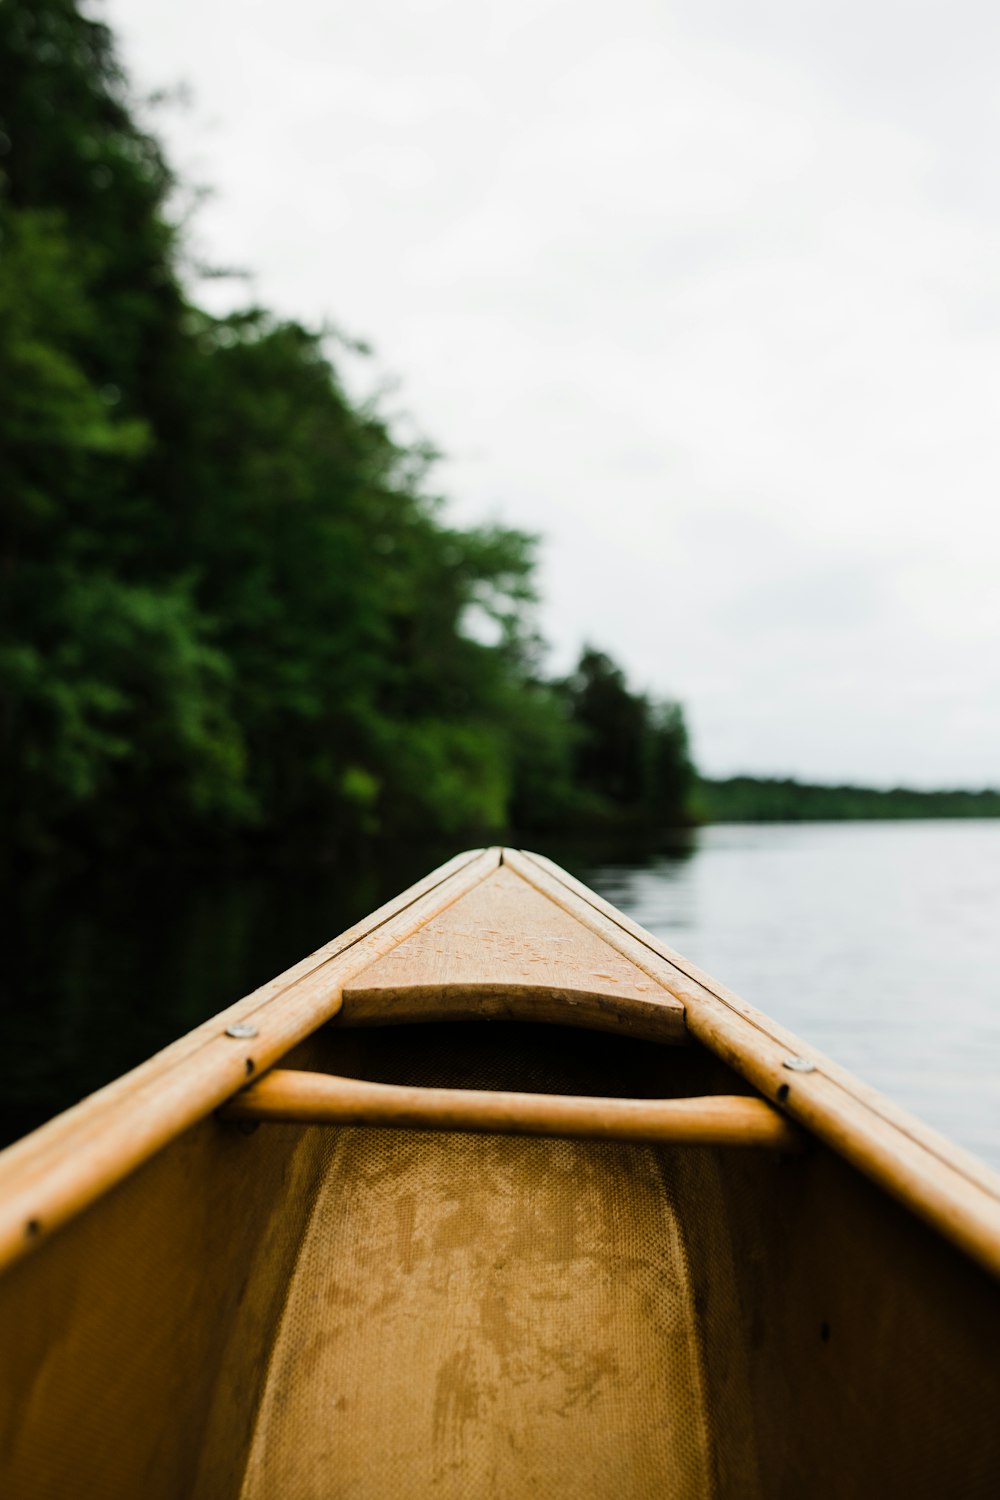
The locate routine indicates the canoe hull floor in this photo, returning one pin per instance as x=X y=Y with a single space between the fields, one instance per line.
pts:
x=309 y=1313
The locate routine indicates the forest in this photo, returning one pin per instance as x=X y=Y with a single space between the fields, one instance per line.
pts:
x=234 y=613
x=233 y=609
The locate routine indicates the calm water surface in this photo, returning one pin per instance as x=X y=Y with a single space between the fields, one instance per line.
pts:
x=879 y=943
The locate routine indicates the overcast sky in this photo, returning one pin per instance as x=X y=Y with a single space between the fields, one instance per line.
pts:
x=706 y=292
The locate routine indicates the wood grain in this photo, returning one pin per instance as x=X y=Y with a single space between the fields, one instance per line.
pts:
x=504 y=951
x=323 y=1099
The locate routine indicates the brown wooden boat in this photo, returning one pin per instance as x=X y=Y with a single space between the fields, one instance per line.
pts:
x=633 y=1240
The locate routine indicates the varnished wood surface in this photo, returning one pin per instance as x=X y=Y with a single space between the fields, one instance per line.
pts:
x=504 y=951
x=368 y=1314
x=487 y=1318
x=952 y=1191
x=322 y=1099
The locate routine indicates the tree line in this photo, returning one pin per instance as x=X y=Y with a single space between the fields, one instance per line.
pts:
x=232 y=605
x=755 y=799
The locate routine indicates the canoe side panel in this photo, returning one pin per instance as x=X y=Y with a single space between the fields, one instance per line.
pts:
x=867 y=1342
x=148 y=1321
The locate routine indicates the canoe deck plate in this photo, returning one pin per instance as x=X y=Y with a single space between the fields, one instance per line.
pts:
x=541 y=963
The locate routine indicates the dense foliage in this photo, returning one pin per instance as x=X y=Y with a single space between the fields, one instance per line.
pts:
x=230 y=601
x=630 y=753
x=749 y=799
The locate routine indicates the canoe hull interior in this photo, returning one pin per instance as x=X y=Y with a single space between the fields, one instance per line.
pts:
x=308 y=1312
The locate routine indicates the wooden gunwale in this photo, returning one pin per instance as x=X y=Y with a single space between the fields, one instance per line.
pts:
x=58 y=1171
x=289 y=1095
x=68 y=1164
x=949 y=1189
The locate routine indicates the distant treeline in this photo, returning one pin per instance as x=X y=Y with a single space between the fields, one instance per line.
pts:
x=231 y=606
x=751 y=799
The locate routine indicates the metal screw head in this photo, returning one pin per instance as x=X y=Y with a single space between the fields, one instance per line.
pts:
x=241 y=1030
x=799 y=1064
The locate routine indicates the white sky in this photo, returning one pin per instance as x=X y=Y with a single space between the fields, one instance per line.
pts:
x=706 y=292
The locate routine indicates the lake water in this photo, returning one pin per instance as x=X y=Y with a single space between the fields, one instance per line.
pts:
x=879 y=943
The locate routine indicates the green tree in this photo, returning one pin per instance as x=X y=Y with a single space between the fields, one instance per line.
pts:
x=631 y=753
x=231 y=602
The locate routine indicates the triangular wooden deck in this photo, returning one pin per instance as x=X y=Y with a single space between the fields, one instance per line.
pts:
x=503 y=949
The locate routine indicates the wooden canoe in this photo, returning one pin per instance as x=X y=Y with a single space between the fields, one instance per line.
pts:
x=633 y=1240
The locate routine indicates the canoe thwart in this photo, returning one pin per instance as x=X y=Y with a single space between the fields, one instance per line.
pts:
x=324 y=1099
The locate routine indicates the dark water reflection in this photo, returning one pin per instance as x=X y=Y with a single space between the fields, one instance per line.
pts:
x=879 y=943
x=102 y=972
